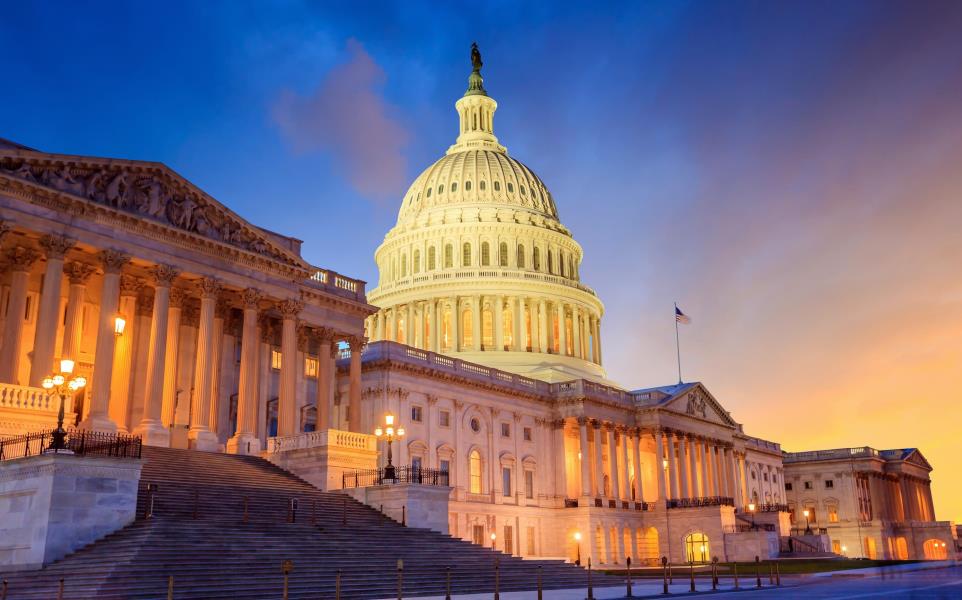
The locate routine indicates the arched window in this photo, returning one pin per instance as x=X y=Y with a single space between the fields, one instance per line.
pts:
x=522 y=190
x=510 y=187
x=432 y=258
x=503 y=255
x=429 y=193
x=404 y=265
x=697 y=548
x=466 y=255
x=536 y=259
x=417 y=261
x=934 y=549
x=561 y=263
x=485 y=254
x=497 y=186
x=467 y=185
x=467 y=329
x=520 y=256
x=441 y=189
x=454 y=187
x=487 y=330
x=481 y=185
x=474 y=468
x=550 y=262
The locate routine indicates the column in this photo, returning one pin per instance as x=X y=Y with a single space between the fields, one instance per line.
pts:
x=354 y=392
x=98 y=418
x=151 y=427
x=379 y=324
x=245 y=440
x=325 y=368
x=391 y=324
x=476 y=323
x=560 y=459
x=673 y=465
x=221 y=314
x=542 y=327
x=19 y=261
x=623 y=431
x=575 y=332
x=78 y=273
x=123 y=353
x=583 y=456
x=287 y=396
x=613 y=463
x=636 y=450
x=562 y=330
x=455 y=325
x=660 y=467
x=599 y=463
x=498 y=309
x=409 y=327
x=175 y=303
x=703 y=486
x=421 y=319
x=520 y=343
x=736 y=482
x=45 y=338
x=199 y=435
x=594 y=340
x=693 y=490
x=684 y=488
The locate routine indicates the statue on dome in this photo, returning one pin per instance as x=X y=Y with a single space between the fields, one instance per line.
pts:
x=476 y=57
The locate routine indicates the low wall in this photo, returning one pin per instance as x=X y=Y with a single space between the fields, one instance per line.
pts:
x=54 y=504
x=423 y=506
x=746 y=545
x=321 y=457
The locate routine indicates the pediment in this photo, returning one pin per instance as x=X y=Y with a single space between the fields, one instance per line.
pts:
x=148 y=190
x=698 y=402
x=916 y=458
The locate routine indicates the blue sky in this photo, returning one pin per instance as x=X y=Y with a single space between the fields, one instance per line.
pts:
x=787 y=171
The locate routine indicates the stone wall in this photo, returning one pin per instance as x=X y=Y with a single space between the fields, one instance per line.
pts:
x=745 y=546
x=54 y=504
x=424 y=506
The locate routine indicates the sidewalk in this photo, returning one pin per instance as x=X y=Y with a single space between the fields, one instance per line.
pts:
x=889 y=570
x=643 y=589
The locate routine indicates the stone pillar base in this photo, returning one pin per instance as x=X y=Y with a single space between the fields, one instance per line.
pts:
x=244 y=443
x=203 y=439
x=153 y=433
x=98 y=423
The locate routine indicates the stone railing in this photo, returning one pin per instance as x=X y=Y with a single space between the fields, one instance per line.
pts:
x=763 y=444
x=30 y=398
x=834 y=454
x=336 y=283
x=699 y=502
x=487 y=273
x=334 y=438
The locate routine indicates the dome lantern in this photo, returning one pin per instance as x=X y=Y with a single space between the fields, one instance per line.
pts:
x=476 y=112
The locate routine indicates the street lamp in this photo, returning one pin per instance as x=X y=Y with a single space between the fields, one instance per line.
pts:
x=751 y=509
x=578 y=546
x=61 y=383
x=390 y=433
x=120 y=323
x=494 y=537
x=664 y=465
x=808 y=524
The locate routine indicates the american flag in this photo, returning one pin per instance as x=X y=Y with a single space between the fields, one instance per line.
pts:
x=681 y=317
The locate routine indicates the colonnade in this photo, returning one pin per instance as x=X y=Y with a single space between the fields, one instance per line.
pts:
x=456 y=324
x=123 y=294
x=768 y=479
x=900 y=497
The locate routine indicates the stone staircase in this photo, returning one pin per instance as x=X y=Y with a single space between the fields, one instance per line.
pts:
x=222 y=526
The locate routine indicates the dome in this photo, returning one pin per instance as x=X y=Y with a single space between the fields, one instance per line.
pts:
x=479 y=266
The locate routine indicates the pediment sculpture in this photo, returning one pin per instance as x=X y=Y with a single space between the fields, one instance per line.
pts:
x=147 y=194
x=697 y=405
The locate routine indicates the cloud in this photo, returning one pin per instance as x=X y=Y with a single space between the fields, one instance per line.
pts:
x=348 y=118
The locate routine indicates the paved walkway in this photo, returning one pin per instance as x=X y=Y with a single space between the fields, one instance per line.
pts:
x=645 y=589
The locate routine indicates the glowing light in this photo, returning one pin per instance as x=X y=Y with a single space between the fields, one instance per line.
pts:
x=119 y=325
x=66 y=366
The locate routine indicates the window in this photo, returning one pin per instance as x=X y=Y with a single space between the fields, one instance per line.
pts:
x=441 y=189
x=497 y=186
x=475 y=425
x=506 y=481
x=444 y=465
x=550 y=262
x=753 y=475
x=466 y=255
x=467 y=185
x=530 y=541
x=275 y=359
x=448 y=256
x=454 y=187
x=481 y=185
x=429 y=193
x=788 y=487
x=416 y=463
x=529 y=484
x=829 y=484
x=765 y=476
x=503 y=255
x=536 y=261
x=431 y=258
x=521 y=187
x=506 y=430
x=474 y=468
x=444 y=418
x=416 y=414
x=508 y=539
x=417 y=261
x=527 y=434
x=485 y=254
x=510 y=187
x=404 y=265
x=832 y=513
x=697 y=548
x=310 y=366
x=774 y=478
x=808 y=485
x=520 y=259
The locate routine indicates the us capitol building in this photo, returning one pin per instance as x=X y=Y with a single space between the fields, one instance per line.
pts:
x=198 y=329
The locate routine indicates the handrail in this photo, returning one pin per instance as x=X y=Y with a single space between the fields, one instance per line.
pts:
x=80 y=442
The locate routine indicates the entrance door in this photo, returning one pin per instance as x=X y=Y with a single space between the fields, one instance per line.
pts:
x=508 y=539
x=478 y=534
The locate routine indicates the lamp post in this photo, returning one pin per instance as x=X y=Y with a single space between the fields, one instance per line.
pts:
x=390 y=433
x=61 y=383
x=578 y=546
x=751 y=509
x=494 y=539
x=808 y=524
x=664 y=465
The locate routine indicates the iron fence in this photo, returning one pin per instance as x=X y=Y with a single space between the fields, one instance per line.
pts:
x=392 y=475
x=705 y=501
x=79 y=442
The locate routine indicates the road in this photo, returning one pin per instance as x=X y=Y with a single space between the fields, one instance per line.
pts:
x=929 y=584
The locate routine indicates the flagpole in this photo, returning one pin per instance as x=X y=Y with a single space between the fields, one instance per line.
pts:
x=677 y=343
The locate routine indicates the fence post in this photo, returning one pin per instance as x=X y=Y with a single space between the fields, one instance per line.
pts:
x=691 y=574
x=628 y=561
x=771 y=574
x=540 y=593
x=758 y=572
x=664 y=575
x=735 y=569
x=447 y=585
x=344 y=511
x=3 y=592
x=149 y=508
x=400 y=579
x=591 y=595
x=170 y=587
x=286 y=568
x=778 y=577
x=60 y=590
x=497 y=578
x=337 y=586
x=404 y=515
x=714 y=573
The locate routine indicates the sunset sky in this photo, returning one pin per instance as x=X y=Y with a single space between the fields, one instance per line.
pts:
x=789 y=172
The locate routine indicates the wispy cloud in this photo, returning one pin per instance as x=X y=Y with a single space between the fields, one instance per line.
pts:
x=348 y=118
